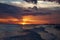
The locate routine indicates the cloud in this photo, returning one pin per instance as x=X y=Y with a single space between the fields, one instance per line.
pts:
x=39 y=17
x=40 y=4
x=9 y=10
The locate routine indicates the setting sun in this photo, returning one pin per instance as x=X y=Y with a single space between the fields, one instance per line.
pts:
x=23 y=23
x=30 y=19
x=26 y=20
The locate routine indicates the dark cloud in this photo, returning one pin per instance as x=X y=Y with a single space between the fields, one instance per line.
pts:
x=14 y=10
x=9 y=10
x=6 y=9
x=39 y=15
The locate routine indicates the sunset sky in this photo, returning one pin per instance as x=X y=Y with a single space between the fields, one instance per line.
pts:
x=14 y=15
x=31 y=19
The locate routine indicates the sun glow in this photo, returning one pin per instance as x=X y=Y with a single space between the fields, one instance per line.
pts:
x=30 y=19
x=23 y=23
x=26 y=20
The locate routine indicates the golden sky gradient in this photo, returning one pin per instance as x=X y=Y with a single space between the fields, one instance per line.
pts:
x=30 y=19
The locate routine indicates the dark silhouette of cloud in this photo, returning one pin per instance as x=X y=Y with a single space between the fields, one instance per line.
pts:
x=9 y=10
x=17 y=12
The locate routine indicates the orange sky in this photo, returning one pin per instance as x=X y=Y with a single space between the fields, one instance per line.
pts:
x=30 y=19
